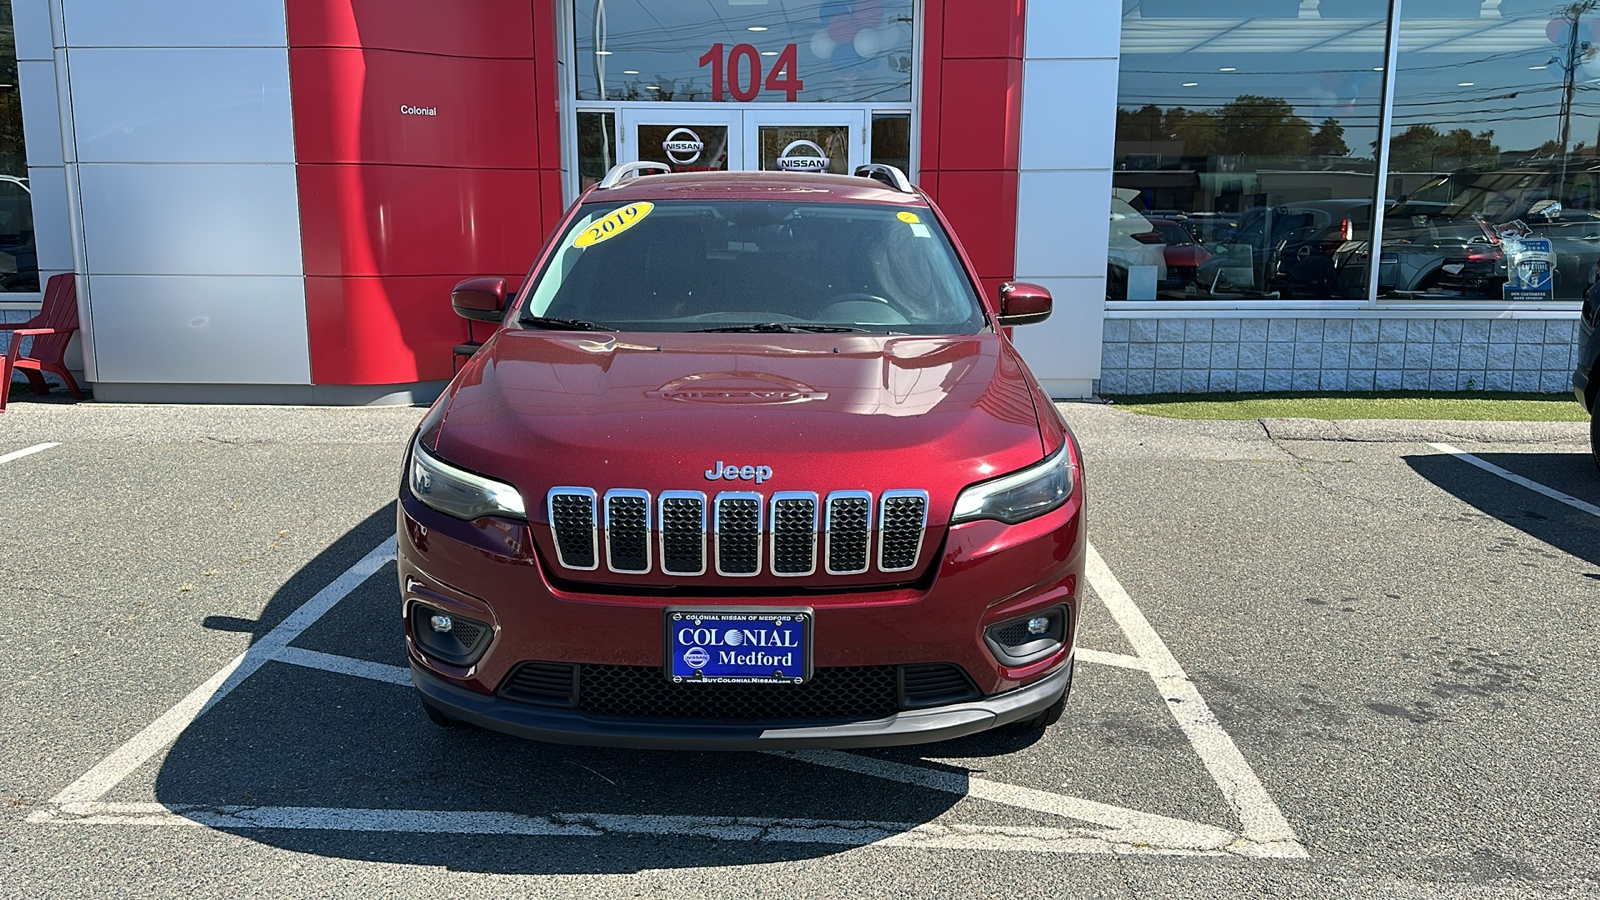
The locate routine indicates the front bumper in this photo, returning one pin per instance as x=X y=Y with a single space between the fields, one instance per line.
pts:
x=565 y=726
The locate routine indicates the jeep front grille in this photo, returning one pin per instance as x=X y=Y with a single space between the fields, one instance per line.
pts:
x=748 y=533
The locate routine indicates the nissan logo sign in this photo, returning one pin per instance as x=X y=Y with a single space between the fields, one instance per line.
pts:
x=787 y=162
x=682 y=146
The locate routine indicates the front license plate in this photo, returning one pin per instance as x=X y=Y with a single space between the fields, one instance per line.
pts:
x=739 y=645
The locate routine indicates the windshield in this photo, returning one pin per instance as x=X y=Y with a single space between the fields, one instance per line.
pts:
x=690 y=265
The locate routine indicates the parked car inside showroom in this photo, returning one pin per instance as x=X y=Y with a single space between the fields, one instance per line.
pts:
x=1439 y=241
x=749 y=463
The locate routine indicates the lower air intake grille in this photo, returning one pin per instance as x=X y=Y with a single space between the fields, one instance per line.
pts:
x=544 y=683
x=846 y=692
x=935 y=684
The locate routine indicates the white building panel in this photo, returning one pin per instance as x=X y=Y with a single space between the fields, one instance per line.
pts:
x=1068 y=121
x=190 y=220
x=1061 y=229
x=176 y=23
x=1062 y=351
x=31 y=19
x=41 y=116
x=201 y=330
x=1087 y=29
x=211 y=105
x=52 y=230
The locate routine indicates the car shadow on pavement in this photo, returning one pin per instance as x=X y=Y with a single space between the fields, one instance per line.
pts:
x=326 y=746
x=1568 y=529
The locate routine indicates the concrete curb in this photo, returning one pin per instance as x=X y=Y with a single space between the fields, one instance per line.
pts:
x=1417 y=430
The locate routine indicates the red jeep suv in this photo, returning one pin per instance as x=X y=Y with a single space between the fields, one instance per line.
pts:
x=749 y=463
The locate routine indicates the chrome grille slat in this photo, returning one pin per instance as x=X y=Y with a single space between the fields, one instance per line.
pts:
x=902 y=520
x=683 y=532
x=794 y=533
x=737 y=526
x=847 y=543
x=627 y=527
x=572 y=525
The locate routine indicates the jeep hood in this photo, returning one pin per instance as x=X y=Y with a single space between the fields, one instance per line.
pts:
x=824 y=412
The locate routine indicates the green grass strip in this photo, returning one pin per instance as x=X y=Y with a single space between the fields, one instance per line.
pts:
x=1478 y=406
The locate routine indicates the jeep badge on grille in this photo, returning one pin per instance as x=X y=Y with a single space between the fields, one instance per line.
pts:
x=732 y=472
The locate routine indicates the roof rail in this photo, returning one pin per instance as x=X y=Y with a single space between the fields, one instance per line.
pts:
x=623 y=170
x=888 y=175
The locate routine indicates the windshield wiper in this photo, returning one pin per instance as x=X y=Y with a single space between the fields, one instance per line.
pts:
x=788 y=327
x=558 y=324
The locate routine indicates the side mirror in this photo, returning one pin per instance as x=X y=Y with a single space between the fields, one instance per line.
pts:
x=1023 y=304
x=1549 y=209
x=480 y=299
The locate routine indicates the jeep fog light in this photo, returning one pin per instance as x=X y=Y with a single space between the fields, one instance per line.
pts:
x=459 y=493
x=1020 y=496
x=1033 y=637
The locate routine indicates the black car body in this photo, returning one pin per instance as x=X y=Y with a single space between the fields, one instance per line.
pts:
x=1585 y=383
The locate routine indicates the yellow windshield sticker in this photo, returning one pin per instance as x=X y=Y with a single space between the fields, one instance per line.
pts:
x=613 y=224
x=910 y=218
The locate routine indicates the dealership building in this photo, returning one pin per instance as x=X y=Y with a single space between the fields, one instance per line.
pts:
x=269 y=200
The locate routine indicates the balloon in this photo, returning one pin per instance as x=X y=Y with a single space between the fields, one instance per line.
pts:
x=842 y=29
x=867 y=43
x=1591 y=64
x=844 y=57
x=822 y=46
x=1559 y=31
x=869 y=12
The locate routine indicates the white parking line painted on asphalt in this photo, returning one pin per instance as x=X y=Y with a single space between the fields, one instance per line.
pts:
x=1102 y=658
x=27 y=451
x=1127 y=826
x=163 y=731
x=1266 y=831
x=1514 y=478
x=344 y=665
x=1116 y=829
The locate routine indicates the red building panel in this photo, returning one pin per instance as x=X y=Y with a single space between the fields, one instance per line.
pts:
x=476 y=28
x=985 y=29
x=932 y=74
x=982 y=208
x=980 y=120
x=392 y=330
x=384 y=106
x=411 y=220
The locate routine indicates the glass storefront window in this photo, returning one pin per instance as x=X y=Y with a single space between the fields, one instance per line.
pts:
x=891 y=140
x=1494 y=118
x=597 y=146
x=1245 y=148
x=740 y=51
x=19 y=260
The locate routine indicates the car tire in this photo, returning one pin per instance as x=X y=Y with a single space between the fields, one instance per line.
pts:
x=1594 y=431
x=1049 y=716
x=437 y=717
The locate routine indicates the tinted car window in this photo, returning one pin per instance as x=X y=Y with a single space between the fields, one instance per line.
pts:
x=683 y=265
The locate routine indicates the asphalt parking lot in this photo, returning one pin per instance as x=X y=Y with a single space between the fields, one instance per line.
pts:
x=1353 y=661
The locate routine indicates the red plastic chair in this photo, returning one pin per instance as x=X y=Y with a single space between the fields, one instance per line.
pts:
x=51 y=329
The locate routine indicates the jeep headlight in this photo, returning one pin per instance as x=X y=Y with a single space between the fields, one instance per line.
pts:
x=1020 y=496
x=459 y=493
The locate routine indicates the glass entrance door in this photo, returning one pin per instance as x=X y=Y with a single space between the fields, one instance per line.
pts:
x=712 y=139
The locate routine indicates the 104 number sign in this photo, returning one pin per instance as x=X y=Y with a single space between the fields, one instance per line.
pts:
x=743 y=72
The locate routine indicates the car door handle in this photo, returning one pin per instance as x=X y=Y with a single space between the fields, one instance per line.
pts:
x=1592 y=238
